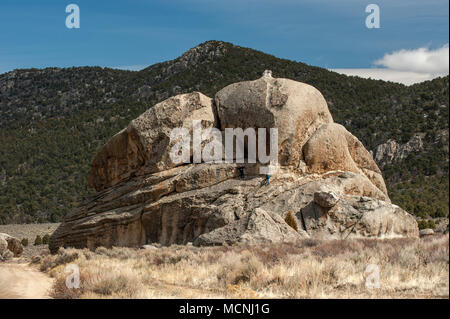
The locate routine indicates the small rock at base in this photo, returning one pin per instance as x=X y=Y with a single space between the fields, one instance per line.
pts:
x=325 y=199
x=149 y=247
x=426 y=232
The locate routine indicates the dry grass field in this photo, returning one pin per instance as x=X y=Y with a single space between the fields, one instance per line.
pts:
x=29 y=231
x=408 y=268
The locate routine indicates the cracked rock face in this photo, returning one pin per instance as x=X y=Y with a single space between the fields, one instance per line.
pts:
x=326 y=178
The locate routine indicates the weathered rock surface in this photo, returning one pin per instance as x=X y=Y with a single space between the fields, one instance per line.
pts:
x=143 y=147
x=326 y=178
x=9 y=247
x=392 y=151
x=332 y=147
x=358 y=216
x=326 y=199
x=257 y=227
x=296 y=109
x=426 y=232
x=3 y=245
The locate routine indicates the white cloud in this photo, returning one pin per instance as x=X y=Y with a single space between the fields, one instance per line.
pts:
x=422 y=60
x=404 y=77
x=407 y=66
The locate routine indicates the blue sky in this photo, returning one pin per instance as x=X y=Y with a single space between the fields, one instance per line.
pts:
x=137 y=33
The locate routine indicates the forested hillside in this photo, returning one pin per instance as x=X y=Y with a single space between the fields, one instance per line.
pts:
x=53 y=121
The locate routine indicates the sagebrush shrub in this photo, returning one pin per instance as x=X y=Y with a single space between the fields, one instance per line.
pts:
x=46 y=239
x=38 y=240
x=423 y=224
x=24 y=242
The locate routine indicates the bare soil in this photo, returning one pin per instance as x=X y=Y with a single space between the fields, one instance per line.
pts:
x=20 y=280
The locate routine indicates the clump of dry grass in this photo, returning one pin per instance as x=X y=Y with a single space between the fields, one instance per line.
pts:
x=239 y=268
x=408 y=268
x=290 y=220
x=64 y=256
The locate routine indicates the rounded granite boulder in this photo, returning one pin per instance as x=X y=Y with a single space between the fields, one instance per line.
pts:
x=296 y=109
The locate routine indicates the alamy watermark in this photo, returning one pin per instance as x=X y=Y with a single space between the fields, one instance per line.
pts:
x=372 y=275
x=73 y=19
x=373 y=19
x=207 y=146
x=73 y=279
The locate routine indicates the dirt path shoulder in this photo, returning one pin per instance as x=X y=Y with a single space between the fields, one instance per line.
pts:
x=22 y=281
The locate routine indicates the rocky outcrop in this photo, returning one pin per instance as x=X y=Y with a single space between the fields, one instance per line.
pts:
x=143 y=147
x=9 y=247
x=332 y=147
x=391 y=151
x=257 y=227
x=325 y=178
x=358 y=216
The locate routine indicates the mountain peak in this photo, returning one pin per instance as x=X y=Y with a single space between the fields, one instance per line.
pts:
x=207 y=50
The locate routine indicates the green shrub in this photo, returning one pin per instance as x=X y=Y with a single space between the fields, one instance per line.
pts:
x=423 y=224
x=38 y=240
x=46 y=239
x=24 y=242
x=290 y=220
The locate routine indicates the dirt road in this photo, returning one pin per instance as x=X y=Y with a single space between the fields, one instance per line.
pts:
x=20 y=281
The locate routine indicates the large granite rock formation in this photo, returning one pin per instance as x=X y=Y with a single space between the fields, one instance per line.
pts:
x=325 y=178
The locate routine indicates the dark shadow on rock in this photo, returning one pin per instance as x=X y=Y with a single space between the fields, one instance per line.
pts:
x=312 y=215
